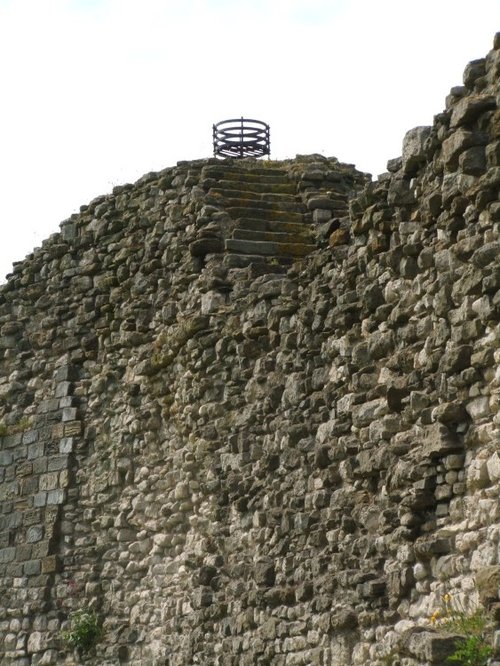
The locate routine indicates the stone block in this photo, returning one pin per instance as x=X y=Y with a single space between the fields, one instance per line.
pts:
x=265 y=574
x=48 y=481
x=473 y=161
x=474 y=70
x=69 y=414
x=36 y=450
x=459 y=141
x=63 y=389
x=372 y=589
x=325 y=203
x=30 y=436
x=56 y=463
x=364 y=414
x=430 y=647
x=51 y=564
x=400 y=193
x=212 y=301
x=323 y=216
x=204 y=246
x=69 y=230
x=454 y=461
x=66 y=445
x=488 y=583
x=40 y=549
x=35 y=642
x=5 y=458
x=456 y=359
x=493 y=467
x=427 y=547
x=202 y=597
x=479 y=408
x=34 y=533
x=486 y=254
x=469 y=108
x=450 y=413
x=32 y=568
x=55 y=496
x=477 y=474
x=7 y=554
x=66 y=373
x=72 y=429
x=414 y=149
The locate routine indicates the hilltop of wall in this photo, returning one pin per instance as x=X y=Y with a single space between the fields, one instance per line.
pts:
x=250 y=411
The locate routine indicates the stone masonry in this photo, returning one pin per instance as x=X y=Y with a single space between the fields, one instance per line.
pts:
x=250 y=410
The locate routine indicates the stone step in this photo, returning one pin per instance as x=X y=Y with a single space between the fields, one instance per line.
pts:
x=244 y=186
x=269 y=248
x=258 y=224
x=273 y=236
x=270 y=264
x=264 y=214
x=248 y=195
x=273 y=206
x=230 y=172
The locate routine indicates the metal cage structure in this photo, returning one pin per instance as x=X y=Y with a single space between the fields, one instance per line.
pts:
x=241 y=137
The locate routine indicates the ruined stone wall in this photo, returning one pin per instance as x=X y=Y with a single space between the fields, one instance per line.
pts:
x=260 y=465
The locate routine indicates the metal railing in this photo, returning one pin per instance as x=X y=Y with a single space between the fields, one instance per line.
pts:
x=241 y=137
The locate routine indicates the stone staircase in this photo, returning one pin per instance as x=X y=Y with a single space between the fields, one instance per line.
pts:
x=270 y=225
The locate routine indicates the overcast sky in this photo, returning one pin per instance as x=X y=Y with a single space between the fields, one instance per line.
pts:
x=95 y=93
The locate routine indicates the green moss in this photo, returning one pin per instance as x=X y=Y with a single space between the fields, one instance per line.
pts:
x=15 y=428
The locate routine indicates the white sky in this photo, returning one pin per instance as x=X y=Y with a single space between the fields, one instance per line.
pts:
x=95 y=93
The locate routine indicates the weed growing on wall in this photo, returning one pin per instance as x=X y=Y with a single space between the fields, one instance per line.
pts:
x=85 y=627
x=85 y=630
x=473 y=648
x=14 y=428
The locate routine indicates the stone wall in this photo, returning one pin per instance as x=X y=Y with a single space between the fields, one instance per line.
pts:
x=265 y=461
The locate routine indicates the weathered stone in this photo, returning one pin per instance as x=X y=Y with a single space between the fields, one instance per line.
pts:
x=265 y=574
x=479 y=407
x=450 y=413
x=459 y=141
x=324 y=203
x=400 y=193
x=414 y=149
x=488 y=583
x=473 y=161
x=486 y=254
x=474 y=70
x=469 y=108
x=431 y=647
x=203 y=246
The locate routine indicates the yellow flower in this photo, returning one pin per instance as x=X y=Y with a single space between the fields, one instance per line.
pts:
x=447 y=598
x=435 y=616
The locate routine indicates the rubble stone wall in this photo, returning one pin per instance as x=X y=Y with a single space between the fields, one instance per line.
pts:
x=261 y=465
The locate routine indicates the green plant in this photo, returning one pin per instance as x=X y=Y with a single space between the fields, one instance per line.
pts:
x=14 y=428
x=473 y=648
x=471 y=651
x=85 y=630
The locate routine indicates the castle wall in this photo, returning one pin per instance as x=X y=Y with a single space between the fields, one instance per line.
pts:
x=241 y=466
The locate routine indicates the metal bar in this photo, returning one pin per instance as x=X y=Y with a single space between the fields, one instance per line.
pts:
x=241 y=137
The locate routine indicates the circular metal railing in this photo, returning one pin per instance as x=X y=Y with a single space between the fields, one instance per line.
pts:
x=241 y=137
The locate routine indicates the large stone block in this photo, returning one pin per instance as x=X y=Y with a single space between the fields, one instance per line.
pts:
x=459 y=141
x=414 y=155
x=469 y=108
x=431 y=647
